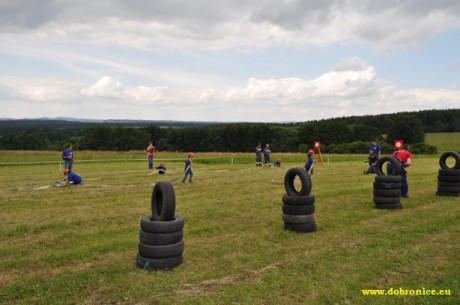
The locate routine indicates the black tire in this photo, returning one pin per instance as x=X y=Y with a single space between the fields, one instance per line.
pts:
x=439 y=193
x=158 y=264
x=394 y=161
x=447 y=189
x=160 y=239
x=388 y=179
x=300 y=227
x=387 y=193
x=386 y=200
x=387 y=185
x=449 y=172
x=390 y=206
x=444 y=156
x=304 y=178
x=299 y=200
x=449 y=178
x=299 y=218
x=448 y=184
x=164 y=251
x=298 y=210
x=153 y=226
x=163 y=201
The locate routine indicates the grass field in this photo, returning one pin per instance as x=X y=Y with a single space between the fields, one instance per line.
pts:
x=447 y=141
x=77 y=245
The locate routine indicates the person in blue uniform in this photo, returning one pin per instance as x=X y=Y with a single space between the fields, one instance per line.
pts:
x=258 y=155
x=310 y=162
x=375 y=149
x=277 y=163
x=73 y=178
x=67 y=156
x=267 y=153
x=161 y=169
x=188 y=168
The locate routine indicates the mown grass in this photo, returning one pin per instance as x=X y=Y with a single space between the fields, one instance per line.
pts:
x=78 y=245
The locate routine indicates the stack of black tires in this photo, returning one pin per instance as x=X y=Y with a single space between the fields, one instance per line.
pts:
x=298 y=206
x=387 y=187
x=161 y=236
x=449 y=177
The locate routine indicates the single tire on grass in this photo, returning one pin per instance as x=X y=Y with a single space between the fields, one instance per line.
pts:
x=298 y=210
x=163 y=201
x=386 y=200
x=160 y=239
x=304 y=178
x=153 y=226
x=299 y=200
x=158 y=264
x=299 y=218
x=300 y=227
x=396 y=166
x=387 y=193
x=444 y=156
x=440 y=193
x=164 y=251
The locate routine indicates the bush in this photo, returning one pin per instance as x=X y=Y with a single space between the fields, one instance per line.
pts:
x=422 y=148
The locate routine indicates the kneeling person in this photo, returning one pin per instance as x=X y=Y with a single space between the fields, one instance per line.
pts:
x=73 y=178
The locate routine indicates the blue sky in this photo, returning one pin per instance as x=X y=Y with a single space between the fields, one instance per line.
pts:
x=257 y=61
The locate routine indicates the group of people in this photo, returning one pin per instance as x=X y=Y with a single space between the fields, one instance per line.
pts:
x=402 y=154
x=71 y=177
x=161 y=169
x=266 y=152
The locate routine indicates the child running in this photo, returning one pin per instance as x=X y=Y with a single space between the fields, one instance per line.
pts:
x=188 y=168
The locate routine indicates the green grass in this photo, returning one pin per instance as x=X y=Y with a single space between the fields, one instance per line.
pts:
x=444 y=141
x=78 y=245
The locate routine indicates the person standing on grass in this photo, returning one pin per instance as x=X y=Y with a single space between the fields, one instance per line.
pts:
x=73 y=178
x=375 y=149
x=259 y=155
x=150 y=154
x=188 y=168
x=310 y=161
x=277 y=163
x=267 y=153
x=67 y=156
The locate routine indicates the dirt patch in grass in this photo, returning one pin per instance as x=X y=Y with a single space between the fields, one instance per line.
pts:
x=206 y=286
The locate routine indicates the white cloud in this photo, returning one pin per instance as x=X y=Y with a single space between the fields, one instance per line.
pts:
x=352 y=87
x=382 y=25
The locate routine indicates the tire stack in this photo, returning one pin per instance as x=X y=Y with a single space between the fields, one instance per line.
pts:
x=387 y=188
x=298 y=206
x=161 y=236
x=449 y=177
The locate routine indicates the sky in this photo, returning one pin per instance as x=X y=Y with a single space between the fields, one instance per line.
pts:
x=227 y=61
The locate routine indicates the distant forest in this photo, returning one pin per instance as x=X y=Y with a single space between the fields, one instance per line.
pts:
x=337 y=135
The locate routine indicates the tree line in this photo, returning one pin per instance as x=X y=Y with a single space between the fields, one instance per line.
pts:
x=338 y=135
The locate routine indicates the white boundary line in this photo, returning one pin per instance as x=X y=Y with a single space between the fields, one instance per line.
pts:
x=105 y=160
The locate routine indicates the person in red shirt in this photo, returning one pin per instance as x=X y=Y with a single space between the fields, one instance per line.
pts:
x=150 y=154
x=405 y=157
